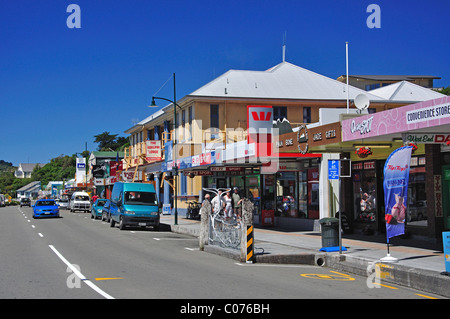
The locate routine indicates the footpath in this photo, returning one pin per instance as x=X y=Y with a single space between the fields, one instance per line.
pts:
x=420 y=264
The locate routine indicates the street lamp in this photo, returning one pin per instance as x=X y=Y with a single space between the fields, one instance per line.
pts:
x=174 y=140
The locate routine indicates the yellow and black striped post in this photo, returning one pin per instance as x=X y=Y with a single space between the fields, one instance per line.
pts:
x=250 y=248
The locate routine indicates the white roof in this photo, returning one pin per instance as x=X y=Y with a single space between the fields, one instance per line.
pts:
x=283 y=81
x=405 y=91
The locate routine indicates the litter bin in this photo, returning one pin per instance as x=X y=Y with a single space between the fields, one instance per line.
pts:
x=330 y=231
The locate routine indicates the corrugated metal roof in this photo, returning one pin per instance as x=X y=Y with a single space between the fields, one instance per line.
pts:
x=283 y=81
x=405 y=91
x=392 y=77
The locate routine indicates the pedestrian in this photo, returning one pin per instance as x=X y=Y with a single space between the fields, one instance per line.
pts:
x=217 y=203
x=237 y=202
x=207 y=198
x=228 y=205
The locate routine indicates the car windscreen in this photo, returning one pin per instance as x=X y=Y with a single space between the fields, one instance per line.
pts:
x=82 y=198
x=140 y=198
x=46 y=203
x=101 y=203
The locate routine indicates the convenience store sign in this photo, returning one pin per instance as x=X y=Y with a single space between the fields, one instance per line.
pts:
x=411 y=117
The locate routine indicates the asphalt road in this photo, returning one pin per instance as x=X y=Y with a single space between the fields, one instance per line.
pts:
x=76 y=257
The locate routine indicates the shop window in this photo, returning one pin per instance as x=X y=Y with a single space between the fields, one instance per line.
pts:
x=365 y=195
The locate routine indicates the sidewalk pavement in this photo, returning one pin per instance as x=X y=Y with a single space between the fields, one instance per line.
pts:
x=420 y=260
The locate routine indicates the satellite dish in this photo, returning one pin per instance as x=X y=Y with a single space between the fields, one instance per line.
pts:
x=361 y=102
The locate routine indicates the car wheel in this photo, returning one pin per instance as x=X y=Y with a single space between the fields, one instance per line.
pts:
x=112 y=223
x=121 y=224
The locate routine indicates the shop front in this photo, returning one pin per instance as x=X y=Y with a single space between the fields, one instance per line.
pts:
x=425 y=127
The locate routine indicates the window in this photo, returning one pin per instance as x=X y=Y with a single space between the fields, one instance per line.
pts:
x=140 y=198
x=214 y=116
x=306 y=114
x=374 y=86
x=279 y=113
x=183 y=184
x=190 y=122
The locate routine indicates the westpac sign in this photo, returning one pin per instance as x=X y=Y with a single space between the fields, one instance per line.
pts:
x=259 y=128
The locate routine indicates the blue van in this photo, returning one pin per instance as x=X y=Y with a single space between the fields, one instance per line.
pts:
x=134 y=204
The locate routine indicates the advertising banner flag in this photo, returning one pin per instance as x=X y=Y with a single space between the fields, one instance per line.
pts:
x=395 y=184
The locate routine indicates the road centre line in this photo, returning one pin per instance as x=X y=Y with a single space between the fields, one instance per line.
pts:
x=40 y=235
x=80 y=275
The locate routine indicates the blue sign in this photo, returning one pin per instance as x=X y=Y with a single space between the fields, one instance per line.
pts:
x=446 y=243
x=333 y=169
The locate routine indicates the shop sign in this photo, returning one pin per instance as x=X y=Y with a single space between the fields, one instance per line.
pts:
x=306 y=138
x=99 y=181
x=259 y=121
x=407 y=118
x=428 y=138
x=203 y=172
x=226 y=169
x=280 y=167
x=153 y=151
x=428 y=113
x=363 y=126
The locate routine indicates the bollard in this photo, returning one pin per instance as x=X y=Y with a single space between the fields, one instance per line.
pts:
x=247 y=247
x=204 y=224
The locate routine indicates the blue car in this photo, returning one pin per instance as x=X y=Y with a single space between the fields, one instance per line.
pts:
x=96 y=210
x=45 y=208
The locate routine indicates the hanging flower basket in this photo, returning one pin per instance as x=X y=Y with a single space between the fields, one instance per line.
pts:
x=363 y=152
x=414 y=146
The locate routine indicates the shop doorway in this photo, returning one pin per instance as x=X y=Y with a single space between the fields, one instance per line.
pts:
x=446 y=196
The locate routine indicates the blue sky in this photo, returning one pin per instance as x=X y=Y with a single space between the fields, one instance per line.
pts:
x=59 y=87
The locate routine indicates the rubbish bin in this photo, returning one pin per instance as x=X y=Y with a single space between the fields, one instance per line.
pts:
x=330 y=231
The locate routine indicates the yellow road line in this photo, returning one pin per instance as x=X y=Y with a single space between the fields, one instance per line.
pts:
x=425 y=296
x=386 y=286
x=108 y=278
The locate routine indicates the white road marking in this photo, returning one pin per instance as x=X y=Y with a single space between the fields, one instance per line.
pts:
x=40 y=235
x=80 y=275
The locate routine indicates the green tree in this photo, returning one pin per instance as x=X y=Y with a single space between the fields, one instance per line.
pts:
x=107 y=141
x=445 y=91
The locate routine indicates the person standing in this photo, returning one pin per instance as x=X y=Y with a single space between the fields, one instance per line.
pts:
x=237 y=202
x=228 y=205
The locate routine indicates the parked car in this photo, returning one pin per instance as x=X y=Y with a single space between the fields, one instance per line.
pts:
x=134 y=204
x=97 y=208
x=25 y=202
x=80 y=201
x=105 y=211
x=2 y=200
x=64 y=203
x=45 y=208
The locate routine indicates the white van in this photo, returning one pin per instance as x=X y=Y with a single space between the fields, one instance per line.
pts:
x=80 y=201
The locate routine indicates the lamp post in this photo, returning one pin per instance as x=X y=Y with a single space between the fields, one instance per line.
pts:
x=174 y=140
